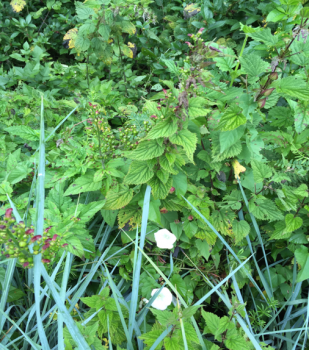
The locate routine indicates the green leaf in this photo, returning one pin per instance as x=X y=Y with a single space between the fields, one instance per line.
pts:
x=82 y=184
x=302 y=258
x=301 y=117
x=160 y=190
x=229 y=138
x=171 y=343
x=227 y=62
x=180 y=184
x=265 y=209
x=292 y=86
x=171 y=66
x=187 y=140
x=84 y=12
x=18 y=173
x=197 y=107
x=109 y=216
x=212 y=321
x=104 y=31
x=253 y=65
x=235 y=341
x=240 y=229
x=25 y=132
x=166 y=128
x=81 y=43
x=139 y=173
x=264 y=35
x=164 y=317
x=292 y=223
x=89 y=210
x=190 y=228
x=261 y=171
x=276 y=15
x=116 y=199
x=203 y=248
x=232 y=119
x=146 y=150
x=127 y=27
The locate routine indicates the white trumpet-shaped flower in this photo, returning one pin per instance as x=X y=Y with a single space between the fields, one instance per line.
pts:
x=165 y=239
x=163 y=300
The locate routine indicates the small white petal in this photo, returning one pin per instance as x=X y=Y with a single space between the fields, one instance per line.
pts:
x=163 y=300
x=165 y=239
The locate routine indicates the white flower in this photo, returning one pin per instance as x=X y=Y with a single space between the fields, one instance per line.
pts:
x=165 y=239
x=163 y=300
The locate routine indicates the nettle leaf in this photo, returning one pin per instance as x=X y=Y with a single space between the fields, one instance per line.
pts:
x=264 y=35
x=197 y=107
x=265 y=209
x=227 y=62
x=151 y=108
x=222 y=220
x=171 y=66
x=166 y=128
x=82 y=43
x=302 y=257
x=104 y=30
x=261 y=171
x=160 y=190
x=292 y=86
x=240 y=229
x=146 y=150
x=139 y=173
x=25 y=132
x=293 y=223
x=253 y=65
x=232 y=119
x=301 y=117
x=82 y=184
x=232 y=151
x=229 y=138
x=212 y=322
x=127 y=27
x=187 y=140
x=281 y=116
x=109 y=216
x=118 y=199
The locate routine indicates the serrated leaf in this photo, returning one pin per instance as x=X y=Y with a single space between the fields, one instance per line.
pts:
x=223 y=220
x=127 y=27
x=232 y=119
x=253 y=65
x=265 y=209
x=118 y=199
x=302 y=258
x=159 y=189
x=81 y=44
x=240 y=229
x=264 y=35
x=212 y=321
x=197 y=107
x=292 y=223
x=146 y=150
x=227 y=62
x=171 y=66
x=292 y=86
x=84 y=183
x=187 y=140
x=139 y=173
x=301 y=118
x=261 y=171
x=109 y=216
x=104 y=31
x=229 y=138
x=276 y=15
x=166 y=128
x=25 y=132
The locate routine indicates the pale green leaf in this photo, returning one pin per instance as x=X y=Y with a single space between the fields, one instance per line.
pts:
x=232 y=119
x=118 y=199
x=261 y=171
x=139 y=173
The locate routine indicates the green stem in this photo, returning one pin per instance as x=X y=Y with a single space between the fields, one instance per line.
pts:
x=241 y=52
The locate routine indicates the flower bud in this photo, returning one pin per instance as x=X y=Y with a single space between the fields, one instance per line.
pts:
x=172 y=190
x=28 y=232
x=47 y=261
x=64 y=245
x=201 y=30
x=45 y=246
x=190 y=35
x=267 y=92
x=190 y=217
x=8 y=213
x=273 y=76
x=163 y=210
x=26 y=264
x=2 y=227
x=54 y=237
x=261 y=103
x=35 y=238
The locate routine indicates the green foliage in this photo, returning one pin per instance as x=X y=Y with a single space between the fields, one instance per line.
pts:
x=152 y=100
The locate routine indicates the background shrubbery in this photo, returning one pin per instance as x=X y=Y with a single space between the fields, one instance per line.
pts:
x=121 y=118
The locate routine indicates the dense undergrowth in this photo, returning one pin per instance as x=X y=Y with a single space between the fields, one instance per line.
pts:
x=153 y=174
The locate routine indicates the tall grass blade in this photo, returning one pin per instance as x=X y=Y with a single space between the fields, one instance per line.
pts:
x=137 y=267
x=70 y=323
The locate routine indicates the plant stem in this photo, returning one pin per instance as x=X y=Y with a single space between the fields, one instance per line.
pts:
x=240 y=55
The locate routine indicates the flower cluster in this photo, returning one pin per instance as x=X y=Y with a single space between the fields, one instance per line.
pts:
x=17 y=239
